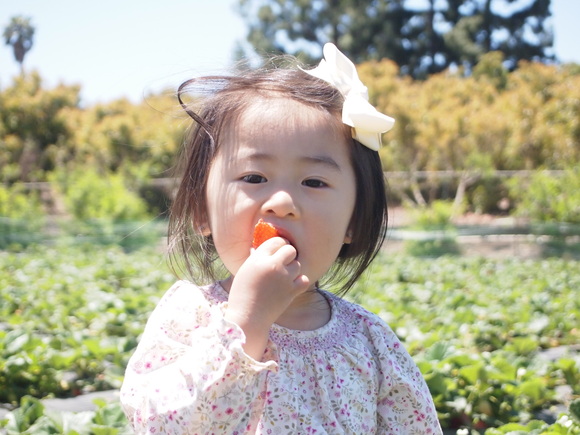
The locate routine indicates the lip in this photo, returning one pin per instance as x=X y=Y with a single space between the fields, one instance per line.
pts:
x=286 y=235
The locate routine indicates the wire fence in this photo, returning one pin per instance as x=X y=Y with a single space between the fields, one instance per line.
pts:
x=501 y=238
x=17 y=234
x=55 y=228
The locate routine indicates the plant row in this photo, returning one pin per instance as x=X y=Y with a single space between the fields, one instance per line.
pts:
x=483 y=332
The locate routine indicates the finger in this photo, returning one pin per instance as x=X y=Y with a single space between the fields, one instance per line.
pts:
x=301 y=283
x=286 y=254
x=272 y=245
x=293 y=269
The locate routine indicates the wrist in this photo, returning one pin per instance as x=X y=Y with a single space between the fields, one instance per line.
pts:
x=255 y=330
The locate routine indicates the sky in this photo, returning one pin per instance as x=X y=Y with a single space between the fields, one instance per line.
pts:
x=131 y=48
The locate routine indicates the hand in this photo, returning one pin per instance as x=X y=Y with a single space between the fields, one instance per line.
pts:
x=263 y=288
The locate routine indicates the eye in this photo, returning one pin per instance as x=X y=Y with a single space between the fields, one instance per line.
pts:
x=315 y=183
x=254 y=179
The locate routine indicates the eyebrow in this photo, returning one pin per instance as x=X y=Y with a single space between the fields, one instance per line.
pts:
x=316 y=160
x=324 y=160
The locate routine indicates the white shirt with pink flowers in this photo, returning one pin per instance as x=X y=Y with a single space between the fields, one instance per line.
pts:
x=190 y=374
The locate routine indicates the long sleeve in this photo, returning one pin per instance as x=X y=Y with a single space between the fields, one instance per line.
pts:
x=190 y=374
x=404 y=403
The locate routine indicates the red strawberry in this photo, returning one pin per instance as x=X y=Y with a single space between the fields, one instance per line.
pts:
x=262 y=232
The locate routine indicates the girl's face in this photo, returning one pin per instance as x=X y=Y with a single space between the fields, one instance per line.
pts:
x=283 y=162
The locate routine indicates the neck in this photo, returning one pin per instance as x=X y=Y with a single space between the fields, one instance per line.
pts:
x=307 y=312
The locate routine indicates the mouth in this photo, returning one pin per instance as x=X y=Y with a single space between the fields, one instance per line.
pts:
x=288 y=237
x=265 y=230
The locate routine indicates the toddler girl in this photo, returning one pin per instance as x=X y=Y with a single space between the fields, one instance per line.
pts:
x=265 y=349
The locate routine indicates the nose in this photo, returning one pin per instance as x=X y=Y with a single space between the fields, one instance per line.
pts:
x=281 y=203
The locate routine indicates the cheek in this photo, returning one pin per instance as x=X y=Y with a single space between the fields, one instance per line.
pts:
x=232 y=248
x=345 y=205
x=218 y=198
x=231 y=220
x=332 y=225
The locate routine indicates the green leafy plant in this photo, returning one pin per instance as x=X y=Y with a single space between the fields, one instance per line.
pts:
x=33 y=418
x=477 y=328
x=74 y=329
x=567 y=424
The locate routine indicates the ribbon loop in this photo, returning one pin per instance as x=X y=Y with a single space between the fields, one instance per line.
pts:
x=367 y=122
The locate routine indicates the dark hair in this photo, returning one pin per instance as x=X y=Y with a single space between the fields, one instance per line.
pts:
x=221 y=100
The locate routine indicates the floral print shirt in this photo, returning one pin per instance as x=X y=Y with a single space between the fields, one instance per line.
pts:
x=190 y=375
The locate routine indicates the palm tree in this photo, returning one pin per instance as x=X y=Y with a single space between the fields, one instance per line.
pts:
x=19 y=35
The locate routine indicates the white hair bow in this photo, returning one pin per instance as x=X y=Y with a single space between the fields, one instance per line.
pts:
x=367 y=122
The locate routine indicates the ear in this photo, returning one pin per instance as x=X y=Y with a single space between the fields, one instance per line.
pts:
x=348 y=237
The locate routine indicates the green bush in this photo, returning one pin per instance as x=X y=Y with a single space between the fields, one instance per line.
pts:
x=486 y=195
x=104 y=209
x=89 y=195
x=436 y=221
x=437 y=216
x=446 y=245
x=548 y=198
x=21 y=216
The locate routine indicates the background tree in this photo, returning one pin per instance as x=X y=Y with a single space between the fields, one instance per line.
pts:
x=43 y=130
x=494 y=119
x=362 y=29
x=421 y=37
x=33 y=127
x=520 y=30
x=19 y=34
x=120 y=136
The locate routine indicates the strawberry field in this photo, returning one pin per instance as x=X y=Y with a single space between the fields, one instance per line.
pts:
x=497 y=340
